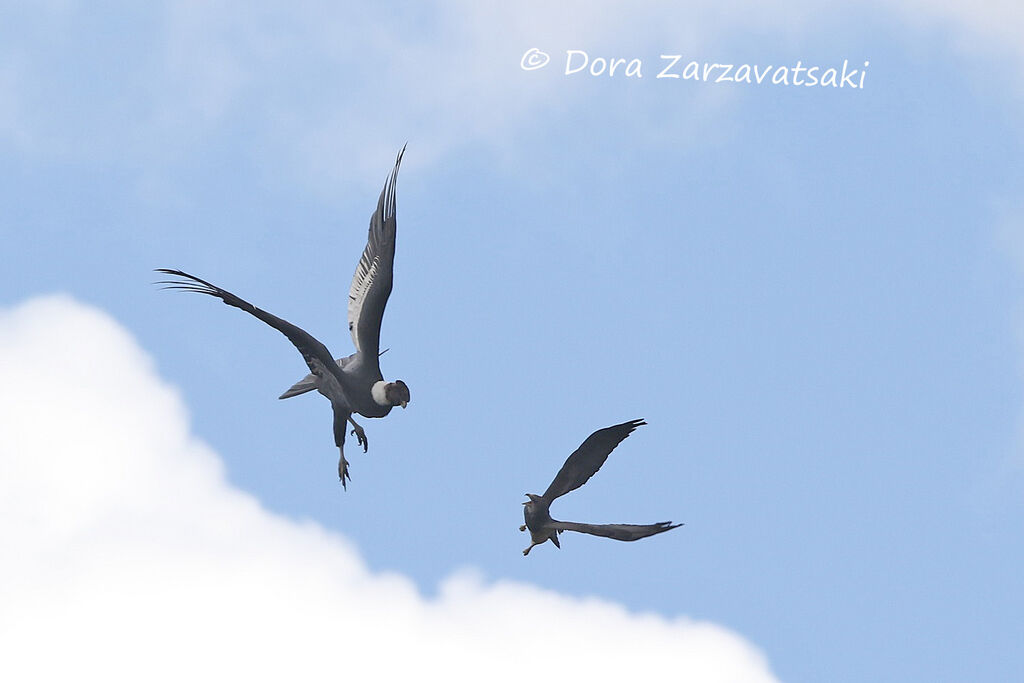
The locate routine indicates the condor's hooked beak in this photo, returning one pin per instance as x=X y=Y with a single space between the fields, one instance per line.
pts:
x=404 y=404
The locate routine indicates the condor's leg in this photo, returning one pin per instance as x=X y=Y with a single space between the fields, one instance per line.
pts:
x=341 y=417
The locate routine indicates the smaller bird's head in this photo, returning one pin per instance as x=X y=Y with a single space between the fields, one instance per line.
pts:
x=534 y=498
x=397 y=393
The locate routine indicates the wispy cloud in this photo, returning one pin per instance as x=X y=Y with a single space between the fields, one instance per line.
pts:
x=322 y=91
x=989 y=27
x=128 y=554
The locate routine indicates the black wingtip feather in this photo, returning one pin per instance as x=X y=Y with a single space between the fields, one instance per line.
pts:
x=191 y=283
x=630 y=426
x=386 y=205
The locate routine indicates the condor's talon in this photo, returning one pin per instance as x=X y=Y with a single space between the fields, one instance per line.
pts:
x=360 y=435
x=361 y=439
x=343 y=472
x=522 y=528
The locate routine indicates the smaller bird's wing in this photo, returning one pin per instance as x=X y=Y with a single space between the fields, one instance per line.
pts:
x=588 y=458
x=371 y=284
x=316 y=355
x=620 y=532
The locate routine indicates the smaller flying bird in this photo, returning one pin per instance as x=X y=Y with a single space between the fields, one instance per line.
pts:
x=578 y=468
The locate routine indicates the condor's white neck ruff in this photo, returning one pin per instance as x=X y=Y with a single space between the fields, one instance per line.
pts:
x=377 y=391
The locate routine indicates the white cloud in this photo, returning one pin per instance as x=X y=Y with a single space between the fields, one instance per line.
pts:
x=127 y=554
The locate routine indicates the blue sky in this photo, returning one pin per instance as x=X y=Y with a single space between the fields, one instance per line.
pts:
x=812 y=295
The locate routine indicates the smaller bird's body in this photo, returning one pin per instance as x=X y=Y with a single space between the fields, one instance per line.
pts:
x=584 y=462
x=539 y=522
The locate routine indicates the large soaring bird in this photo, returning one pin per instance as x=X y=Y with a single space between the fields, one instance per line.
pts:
x=578 y=468
x=353 y=384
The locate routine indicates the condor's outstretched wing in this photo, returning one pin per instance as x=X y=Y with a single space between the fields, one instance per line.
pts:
x=371 y=284
x=588 y=458
x=620 y=532
x=316 y=355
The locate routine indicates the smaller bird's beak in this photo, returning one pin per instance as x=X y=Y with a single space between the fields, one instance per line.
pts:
x=404 y=403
